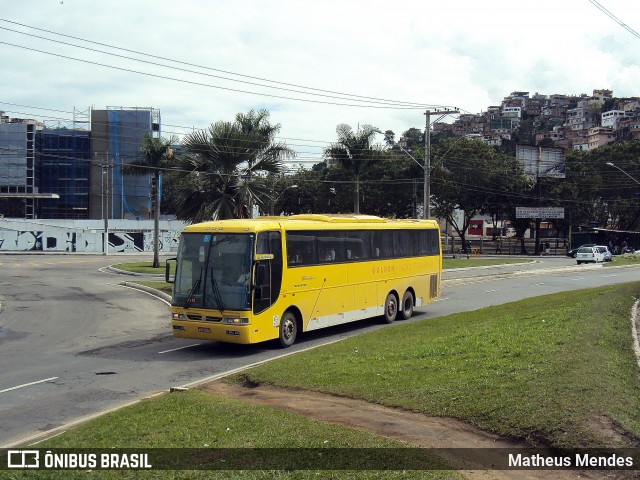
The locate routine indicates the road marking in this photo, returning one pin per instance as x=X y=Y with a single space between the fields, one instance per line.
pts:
x=441 y=299
x=180 y=348
x=537 y=284
x=491 y=291
x=28 y=384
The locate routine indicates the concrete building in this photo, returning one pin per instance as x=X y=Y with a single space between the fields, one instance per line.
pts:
x=599 y=136
x=610 y=118
x=586 y=115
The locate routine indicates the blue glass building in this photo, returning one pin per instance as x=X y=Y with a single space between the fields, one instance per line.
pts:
x=62 y=167
x=116 y=137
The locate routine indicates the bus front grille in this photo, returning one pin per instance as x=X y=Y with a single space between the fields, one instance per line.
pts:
x=204 y=318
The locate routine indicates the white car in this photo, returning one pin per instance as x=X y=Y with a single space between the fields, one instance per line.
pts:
x=605 y=252
x=589 y=254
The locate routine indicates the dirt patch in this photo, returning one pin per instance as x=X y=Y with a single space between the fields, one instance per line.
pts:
x=409 y=427
x=613 y=434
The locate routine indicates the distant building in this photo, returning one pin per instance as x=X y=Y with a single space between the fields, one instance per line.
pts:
x=117 y=134
x=599 y=136
x=557 y=135
x=18 y=182
x=610 y=118
x=602 y=95
x=586 y=115
x=63 y=168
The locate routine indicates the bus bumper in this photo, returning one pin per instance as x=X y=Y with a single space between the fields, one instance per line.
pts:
x=206 y=331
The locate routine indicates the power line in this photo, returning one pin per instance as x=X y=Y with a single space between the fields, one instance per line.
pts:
x=614 y=18
x=383 y=102
x=417 y=105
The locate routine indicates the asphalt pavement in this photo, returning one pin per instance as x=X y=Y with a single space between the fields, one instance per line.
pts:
x=527 y=264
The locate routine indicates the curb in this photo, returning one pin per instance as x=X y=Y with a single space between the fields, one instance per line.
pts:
x=113 y=269
x=151 y=291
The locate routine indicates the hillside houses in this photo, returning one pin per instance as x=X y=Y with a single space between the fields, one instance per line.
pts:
x=567 y=121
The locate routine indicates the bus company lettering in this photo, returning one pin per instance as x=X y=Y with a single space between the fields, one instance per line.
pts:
x=384 y=269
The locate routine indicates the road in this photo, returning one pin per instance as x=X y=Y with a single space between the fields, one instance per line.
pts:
x=75 y=343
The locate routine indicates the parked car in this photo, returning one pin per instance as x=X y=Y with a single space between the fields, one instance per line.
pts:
x=589 y=255
x=605 y=252
x=572 y=253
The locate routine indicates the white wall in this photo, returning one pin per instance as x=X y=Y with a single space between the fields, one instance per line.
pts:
x=125 y=236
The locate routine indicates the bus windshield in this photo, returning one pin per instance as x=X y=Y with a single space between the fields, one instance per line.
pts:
x=214 y=271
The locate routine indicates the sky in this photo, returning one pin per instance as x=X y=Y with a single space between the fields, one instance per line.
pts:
x=313 y=65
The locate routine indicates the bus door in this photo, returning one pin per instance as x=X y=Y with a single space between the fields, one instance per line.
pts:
x=267 y=272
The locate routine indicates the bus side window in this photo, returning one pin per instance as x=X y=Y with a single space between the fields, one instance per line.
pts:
x=301 y=248
x=358 y=245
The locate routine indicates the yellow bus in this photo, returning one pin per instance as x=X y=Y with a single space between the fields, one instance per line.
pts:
x=250 y=280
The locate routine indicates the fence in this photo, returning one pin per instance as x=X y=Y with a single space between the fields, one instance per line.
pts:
x=509 y=246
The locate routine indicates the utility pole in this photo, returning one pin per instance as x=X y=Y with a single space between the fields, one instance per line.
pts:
x=105 y=204
x=427 y=156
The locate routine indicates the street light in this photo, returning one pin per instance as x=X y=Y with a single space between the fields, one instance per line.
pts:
x=615 y=166
x=274 y=200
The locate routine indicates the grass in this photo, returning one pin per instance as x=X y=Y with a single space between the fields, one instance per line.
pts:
x=627 y=259
x=162 y=286
x=195 y=419
x=145 y=267
x=478 y=262
x=556 y=370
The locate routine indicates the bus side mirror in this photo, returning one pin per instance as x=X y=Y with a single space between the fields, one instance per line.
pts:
x=167 y=270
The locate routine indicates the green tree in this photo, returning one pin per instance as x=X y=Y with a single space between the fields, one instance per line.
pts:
x=414 y=137
x=389 y=138
x=156 y=155
x=354 y=151
x=471 y=177
x=227 y=164
x=616 y=188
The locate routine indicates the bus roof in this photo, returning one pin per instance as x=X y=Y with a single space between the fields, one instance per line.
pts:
x=306 y=221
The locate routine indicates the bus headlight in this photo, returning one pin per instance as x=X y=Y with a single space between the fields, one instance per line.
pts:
x=235 y=320
x=178 y=316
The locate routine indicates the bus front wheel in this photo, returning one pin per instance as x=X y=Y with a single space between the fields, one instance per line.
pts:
x=390 y=308
x=288 y=329
x=407 y=305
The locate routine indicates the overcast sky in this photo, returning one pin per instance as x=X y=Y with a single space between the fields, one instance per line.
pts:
x=466 y=54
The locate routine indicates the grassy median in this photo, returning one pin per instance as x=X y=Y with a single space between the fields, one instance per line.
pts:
x=555 y=370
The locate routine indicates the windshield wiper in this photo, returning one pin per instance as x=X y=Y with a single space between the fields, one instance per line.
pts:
x=194 y=289
x=216 y=292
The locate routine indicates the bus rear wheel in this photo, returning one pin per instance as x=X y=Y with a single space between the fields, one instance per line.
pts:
x=407 y=305
x=288 y=329
x=390 y=308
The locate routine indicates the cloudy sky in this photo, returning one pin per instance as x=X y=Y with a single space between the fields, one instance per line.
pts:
x=313 y=65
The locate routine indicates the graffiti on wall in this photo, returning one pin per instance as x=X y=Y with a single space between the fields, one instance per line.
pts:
x=59 y=240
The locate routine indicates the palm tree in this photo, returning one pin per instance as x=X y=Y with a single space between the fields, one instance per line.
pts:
x=156 y=155
x=227 y=162
x=354 y=151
